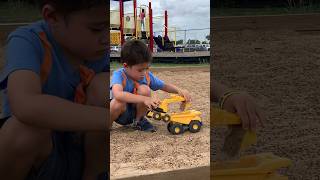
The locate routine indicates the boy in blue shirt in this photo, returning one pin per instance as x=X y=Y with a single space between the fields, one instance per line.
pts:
x=131 y=87
x=54 y=94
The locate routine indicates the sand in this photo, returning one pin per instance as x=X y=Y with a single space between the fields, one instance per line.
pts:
x=281 y=69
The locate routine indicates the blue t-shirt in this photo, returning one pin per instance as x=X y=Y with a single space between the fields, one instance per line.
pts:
x=25 y=51
x=117 y=78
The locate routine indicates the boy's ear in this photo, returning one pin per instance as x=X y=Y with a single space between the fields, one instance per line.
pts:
x=50 y=14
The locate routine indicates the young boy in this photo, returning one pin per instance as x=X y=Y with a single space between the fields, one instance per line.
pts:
x=130 y=90
x=54 y=102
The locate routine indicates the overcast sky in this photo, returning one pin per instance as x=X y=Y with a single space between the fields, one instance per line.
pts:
x=183 y=14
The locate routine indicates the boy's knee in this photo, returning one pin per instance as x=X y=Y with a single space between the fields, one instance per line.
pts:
x=144 y=90
x=117 y=106
x=96 y=91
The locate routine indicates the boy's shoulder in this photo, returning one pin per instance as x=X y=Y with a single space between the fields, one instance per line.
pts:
x=29 y=31
x=118 y=72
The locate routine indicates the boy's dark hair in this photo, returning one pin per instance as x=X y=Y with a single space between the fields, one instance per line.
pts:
x=68 y=6
x=135 y=52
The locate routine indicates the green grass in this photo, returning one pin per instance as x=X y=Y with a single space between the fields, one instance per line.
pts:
x=12 y=12
x=264 y=11
x=115 y=65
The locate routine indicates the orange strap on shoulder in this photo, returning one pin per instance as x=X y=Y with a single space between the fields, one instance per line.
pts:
x=86 y=76
x=47 y=59
x=135 y=89
x=136 y=84
x=124 y=80
x=148 y=78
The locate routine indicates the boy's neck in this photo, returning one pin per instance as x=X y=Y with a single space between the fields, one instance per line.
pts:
x=124 y=69
x=72 y=59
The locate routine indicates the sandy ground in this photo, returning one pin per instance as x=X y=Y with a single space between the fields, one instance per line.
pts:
x=281 y=69
x=134 y=152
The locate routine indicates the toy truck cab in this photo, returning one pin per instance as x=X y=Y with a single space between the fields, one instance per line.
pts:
x=160 y=113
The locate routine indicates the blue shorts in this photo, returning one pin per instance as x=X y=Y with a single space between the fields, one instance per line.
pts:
x=127 y=117
x=66 y=160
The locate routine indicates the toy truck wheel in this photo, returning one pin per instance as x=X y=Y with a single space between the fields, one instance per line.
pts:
x=166 y=118
x=176 y=129
x=169 y=126
x=156 y=116
x=194 y=126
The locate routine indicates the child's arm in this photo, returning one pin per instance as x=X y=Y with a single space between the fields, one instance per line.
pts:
x=120 y=95
x=217 y=91
x=241 y=103
x=170 y=88
x=30 y=106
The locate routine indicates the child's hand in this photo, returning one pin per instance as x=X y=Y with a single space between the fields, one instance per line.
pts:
x=244 y=106
x=184 y=93
x=152 y=102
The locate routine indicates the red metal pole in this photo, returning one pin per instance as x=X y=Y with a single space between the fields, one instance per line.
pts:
x=151 y=28
x=135 y=16
x=121 y=21
x=165 y=23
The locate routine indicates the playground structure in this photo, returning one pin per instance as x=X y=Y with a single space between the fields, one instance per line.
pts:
x=125 y=26
x=129 y=25
x=251 y=167
x=177 y=122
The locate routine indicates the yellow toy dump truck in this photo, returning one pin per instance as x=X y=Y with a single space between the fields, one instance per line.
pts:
x=251 y=167
x=177 y=122
x=186 y=120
